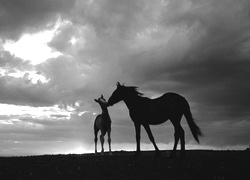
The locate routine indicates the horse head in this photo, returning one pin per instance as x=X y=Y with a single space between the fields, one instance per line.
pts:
x=101 y=101
x=117 y=95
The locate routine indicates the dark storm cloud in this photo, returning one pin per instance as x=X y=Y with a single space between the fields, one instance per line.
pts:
x=112 y=18
x=21 y=91
x=19 y=16
x=206 y=59
x=210 y=62
x=212 y=82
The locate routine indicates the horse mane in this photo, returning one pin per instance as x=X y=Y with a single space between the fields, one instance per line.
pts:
x=133 y=90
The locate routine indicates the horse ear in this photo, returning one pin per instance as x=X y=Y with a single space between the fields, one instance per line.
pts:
x=101 y=96
x=118 y=84
x=96 y=100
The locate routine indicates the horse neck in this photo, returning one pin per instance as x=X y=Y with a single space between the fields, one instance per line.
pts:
x=132 y=101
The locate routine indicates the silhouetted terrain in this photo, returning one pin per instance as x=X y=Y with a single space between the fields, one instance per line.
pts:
x=199 y=164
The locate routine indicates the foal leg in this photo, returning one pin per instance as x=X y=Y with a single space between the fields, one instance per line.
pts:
x=102 y=142
x=151 y=137
x=109 y=141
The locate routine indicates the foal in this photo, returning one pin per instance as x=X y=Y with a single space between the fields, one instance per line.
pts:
x=103 y=123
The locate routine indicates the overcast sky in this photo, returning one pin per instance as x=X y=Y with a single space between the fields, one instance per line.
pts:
x=56 y=56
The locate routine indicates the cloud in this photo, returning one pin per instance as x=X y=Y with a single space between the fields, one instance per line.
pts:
x=21 y=92
x=9 y=62
x=19 y=16
x=22 y=131
x=203 y=59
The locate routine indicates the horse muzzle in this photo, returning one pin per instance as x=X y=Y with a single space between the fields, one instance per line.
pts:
x=109 y=104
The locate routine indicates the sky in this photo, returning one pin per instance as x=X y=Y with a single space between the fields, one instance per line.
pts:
x=56 y=56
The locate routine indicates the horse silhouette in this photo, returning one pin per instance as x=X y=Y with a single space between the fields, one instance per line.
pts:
x=102 y=123
x=145 y=111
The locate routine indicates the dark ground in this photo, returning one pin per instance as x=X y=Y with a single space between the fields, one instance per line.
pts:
x=199 y=164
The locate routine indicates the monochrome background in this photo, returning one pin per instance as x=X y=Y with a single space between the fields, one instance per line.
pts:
x=56 y=56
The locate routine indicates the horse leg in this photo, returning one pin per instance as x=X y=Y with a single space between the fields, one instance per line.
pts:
x=109 y=141
x=177 y=134
x=180 y=134
x=176 y=139
x=138 y=138
x=151 y=137
x=182 y=137
x=102 y=142
x=95 y=139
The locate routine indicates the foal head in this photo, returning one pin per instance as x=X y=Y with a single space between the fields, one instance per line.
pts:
x=101 y=101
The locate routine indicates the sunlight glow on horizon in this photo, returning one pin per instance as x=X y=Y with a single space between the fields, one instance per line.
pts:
x=79 y=148
x=145 y=147
x=149 y=147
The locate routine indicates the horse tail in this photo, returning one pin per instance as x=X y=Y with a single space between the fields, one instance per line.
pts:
x=192 y=125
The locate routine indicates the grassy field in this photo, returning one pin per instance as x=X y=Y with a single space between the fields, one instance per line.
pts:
x=199 y=164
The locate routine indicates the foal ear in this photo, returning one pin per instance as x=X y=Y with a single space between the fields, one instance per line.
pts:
x=96 y=100
x=102 y=96
x=118 y=84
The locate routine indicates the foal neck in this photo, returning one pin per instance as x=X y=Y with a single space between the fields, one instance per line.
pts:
x=104 y=109
x=105 y=114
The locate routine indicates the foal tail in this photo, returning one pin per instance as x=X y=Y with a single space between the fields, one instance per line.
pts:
x=192 y=125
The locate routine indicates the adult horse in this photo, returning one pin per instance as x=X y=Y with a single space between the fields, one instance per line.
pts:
x=144 y=111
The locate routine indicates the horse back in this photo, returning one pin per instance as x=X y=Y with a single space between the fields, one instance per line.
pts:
x=158 y=110
x=169 y=103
